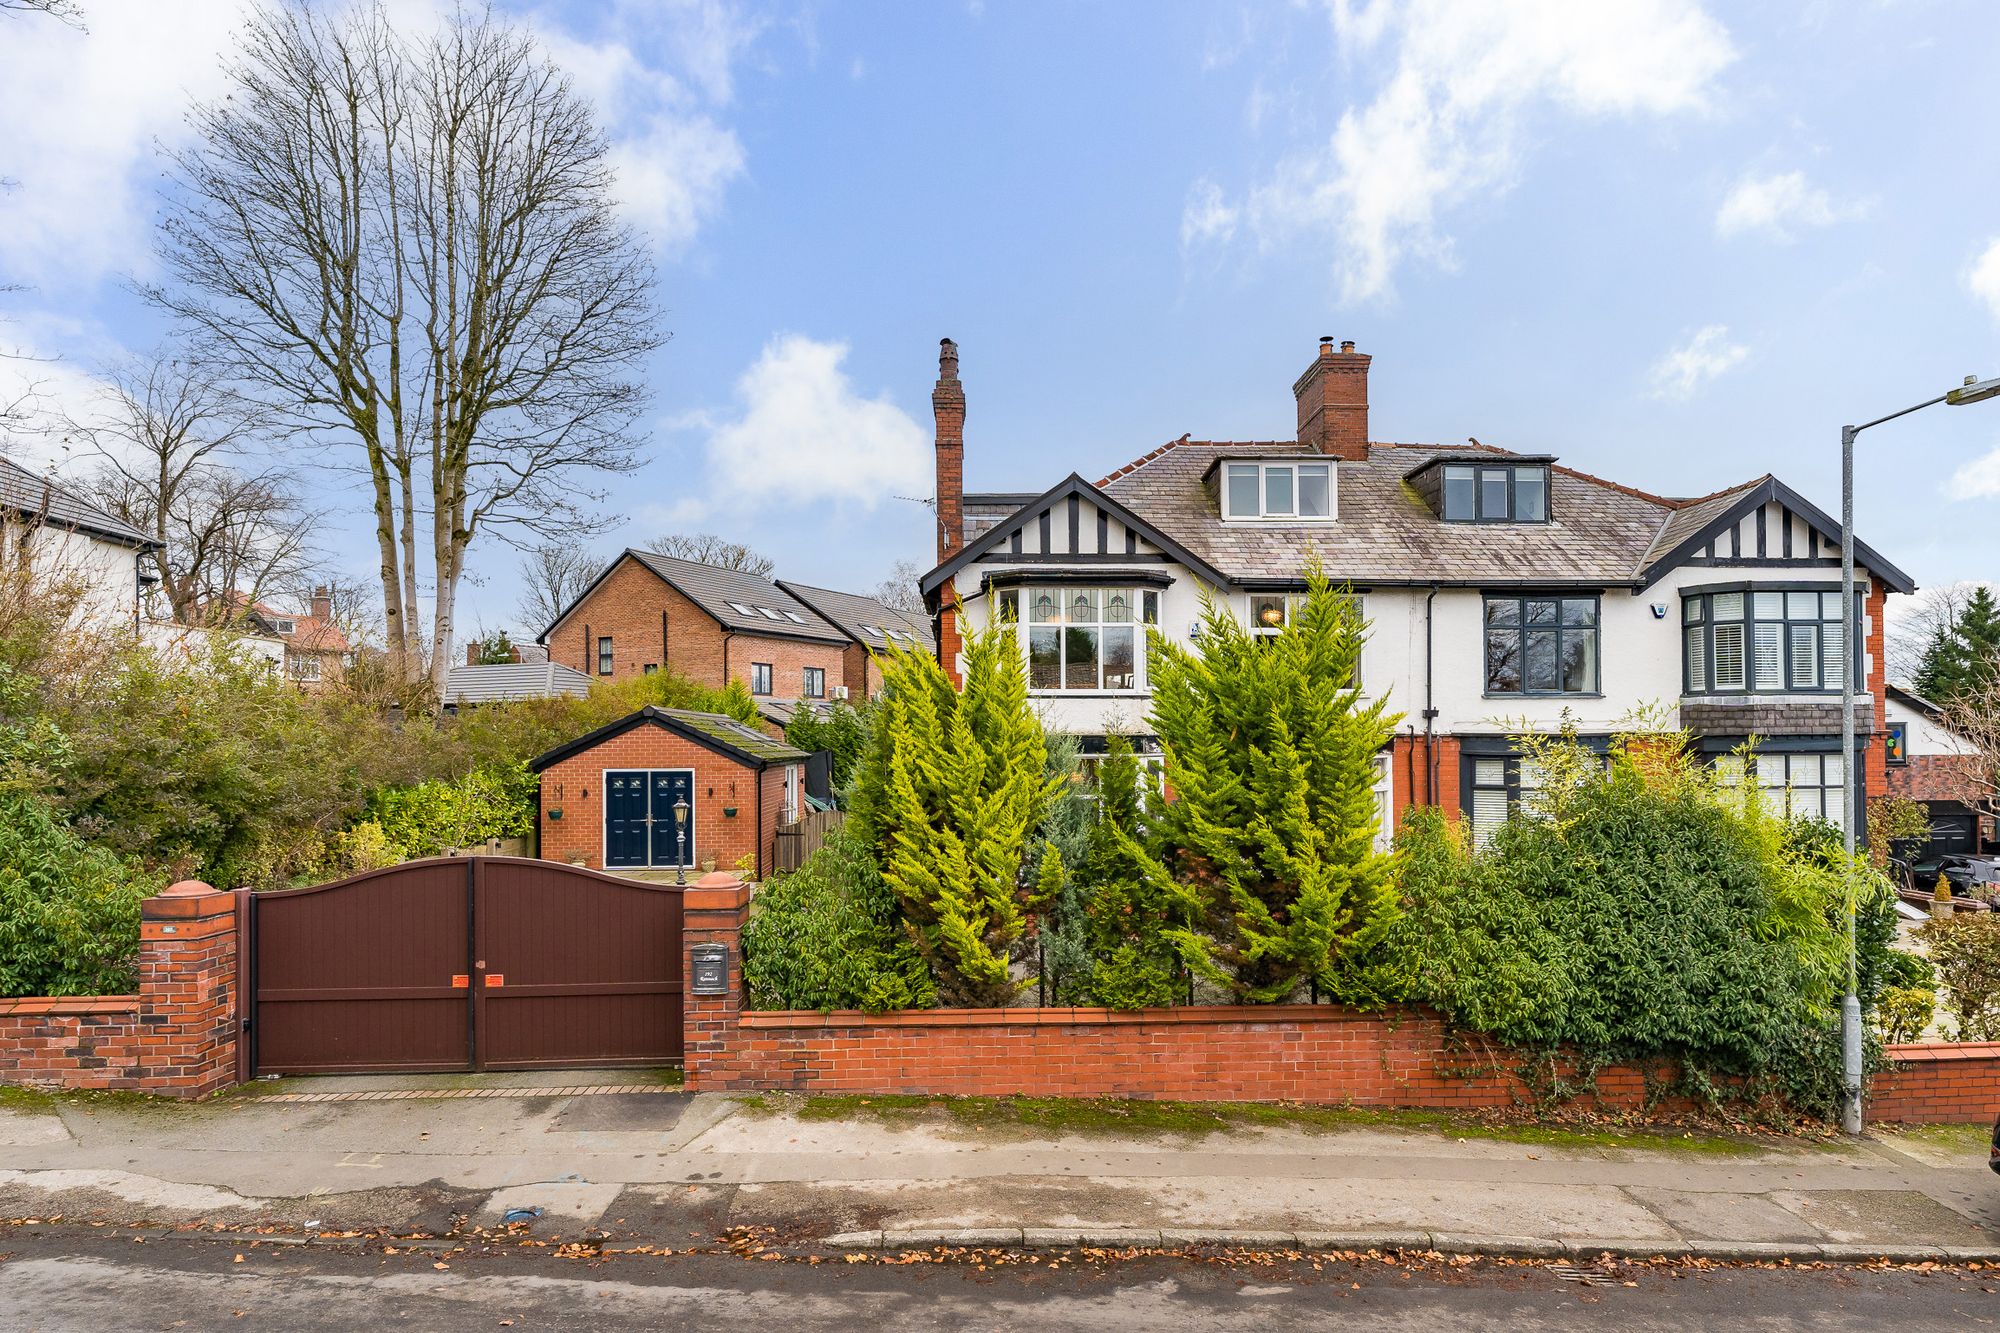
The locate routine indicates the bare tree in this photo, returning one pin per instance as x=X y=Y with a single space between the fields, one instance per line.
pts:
x=169 y=441
x=411 y=246
x=66 y=11
x=1972 y=717
x=708 y=549
x=553 y=574
x=900 y=588
x=1924 y=616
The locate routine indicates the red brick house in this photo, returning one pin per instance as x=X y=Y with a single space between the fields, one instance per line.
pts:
x=786 y=642
x=609 y=799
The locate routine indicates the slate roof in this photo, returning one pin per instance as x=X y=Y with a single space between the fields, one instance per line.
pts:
x=26 y=492
x=721 y=733
x=864 y=619
x=1599 y=533
x=734 y=597
x=498 y=682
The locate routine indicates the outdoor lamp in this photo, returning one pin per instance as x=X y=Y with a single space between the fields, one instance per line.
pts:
x=1272 y=615
x=1974 y=390
x=680 y=840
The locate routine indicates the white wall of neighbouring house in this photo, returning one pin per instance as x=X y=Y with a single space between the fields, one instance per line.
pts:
x=106 y=571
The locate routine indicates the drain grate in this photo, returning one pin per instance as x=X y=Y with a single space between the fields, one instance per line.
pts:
x=1588 y=1277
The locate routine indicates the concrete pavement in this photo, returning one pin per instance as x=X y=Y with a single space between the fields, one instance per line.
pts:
x=661 y=1164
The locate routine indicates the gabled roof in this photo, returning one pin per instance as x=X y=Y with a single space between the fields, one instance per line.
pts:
x=501 y=681
x=866 y=620
x=714 y=731
x=29 y=494
x=1703 y=519
x=1062 y=490
x=736 y=600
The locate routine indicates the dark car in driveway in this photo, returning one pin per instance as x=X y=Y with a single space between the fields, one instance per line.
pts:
x=1993 y=1153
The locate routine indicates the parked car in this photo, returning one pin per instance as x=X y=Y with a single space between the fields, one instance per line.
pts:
x=1972 y=878
x=1993 y=1153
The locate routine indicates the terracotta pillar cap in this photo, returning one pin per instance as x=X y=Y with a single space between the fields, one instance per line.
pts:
x=718 y=879
x=186 y=888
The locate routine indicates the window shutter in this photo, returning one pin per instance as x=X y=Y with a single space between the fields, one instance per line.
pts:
x=1729 y=656
x=1769 y=662
x=1805 y=656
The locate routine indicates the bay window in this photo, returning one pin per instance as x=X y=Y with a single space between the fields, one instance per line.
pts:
x=1762 y=641
x=1793 y=786
x=1082 y=639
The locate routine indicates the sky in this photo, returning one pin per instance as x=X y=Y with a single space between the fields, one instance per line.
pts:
x=1677 y=244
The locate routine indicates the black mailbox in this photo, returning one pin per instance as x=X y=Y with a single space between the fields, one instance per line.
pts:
x=709 y=964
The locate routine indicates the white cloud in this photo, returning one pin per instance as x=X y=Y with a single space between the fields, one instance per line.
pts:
x=658 y=77
x=1984 y=279
x=1207 y=218
x=1449 y=123
x=1686 y=368
x=806 y=436
x=82 y=111
x=1778 y=206
x=1978 y=479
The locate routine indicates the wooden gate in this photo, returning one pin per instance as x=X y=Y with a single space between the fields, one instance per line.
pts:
x=465 y=963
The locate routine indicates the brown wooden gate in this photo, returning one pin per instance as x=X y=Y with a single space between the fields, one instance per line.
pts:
x=465 y=963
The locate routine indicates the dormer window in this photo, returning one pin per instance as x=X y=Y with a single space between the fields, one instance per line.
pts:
x=1278 y=491
x=1496 y=493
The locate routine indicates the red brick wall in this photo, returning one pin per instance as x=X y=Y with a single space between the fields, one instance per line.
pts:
x=576 y=787
x=1409 y=775
x=1939 y=1083
x=628 y=605
x=1935 y=777
x=175 y=1038
x=1305 y=1053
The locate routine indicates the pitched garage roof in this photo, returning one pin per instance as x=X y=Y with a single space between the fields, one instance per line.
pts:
x=714 y=731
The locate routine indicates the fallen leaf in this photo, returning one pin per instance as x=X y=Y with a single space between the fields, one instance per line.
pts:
x=440 y=1264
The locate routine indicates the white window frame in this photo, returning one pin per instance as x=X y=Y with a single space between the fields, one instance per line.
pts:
x=1264 y=469
x=1145 y=611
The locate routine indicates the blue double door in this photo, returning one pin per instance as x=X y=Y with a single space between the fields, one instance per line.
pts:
x=639 y=824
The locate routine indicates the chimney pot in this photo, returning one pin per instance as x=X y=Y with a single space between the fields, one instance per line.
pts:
x=1347 y=345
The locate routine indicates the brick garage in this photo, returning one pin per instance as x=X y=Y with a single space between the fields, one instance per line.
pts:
x=739 y=784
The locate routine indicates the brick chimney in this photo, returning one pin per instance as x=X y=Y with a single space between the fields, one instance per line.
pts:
x=322 y=604
x=1333 y=402
x=948 y=404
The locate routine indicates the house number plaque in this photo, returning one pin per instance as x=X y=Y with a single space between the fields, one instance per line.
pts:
x=710 y=965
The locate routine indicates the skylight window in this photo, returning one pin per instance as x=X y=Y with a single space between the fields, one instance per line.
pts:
x=1278 y=491
x=741 y=609
x=768 y=613
x=795 y=617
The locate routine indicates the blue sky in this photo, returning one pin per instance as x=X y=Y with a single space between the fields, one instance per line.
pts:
x=1675 y=243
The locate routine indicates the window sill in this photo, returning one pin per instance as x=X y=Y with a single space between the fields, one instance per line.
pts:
x=1282 y=521
x=1540 y=694
x=1088 y=694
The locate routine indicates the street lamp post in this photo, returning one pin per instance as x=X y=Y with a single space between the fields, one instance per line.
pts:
x=1973 y=391
x=681 y=840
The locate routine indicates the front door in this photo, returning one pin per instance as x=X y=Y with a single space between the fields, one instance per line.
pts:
x=672 y=787
x=625 y=823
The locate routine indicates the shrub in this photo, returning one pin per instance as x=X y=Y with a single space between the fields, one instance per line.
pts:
x=69 y=912
x=432 y=818
x=1903 y=1012
x=839 y=731
x=1270 y=752
x=1965 y=950
x=1131 y=904
x=827 y=936
x=947 y=795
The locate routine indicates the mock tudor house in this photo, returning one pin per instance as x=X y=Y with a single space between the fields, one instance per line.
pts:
x=788 y=642
x=1504 y=592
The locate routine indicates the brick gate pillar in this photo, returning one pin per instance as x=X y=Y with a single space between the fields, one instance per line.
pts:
x=187 y=990
x=713 y=910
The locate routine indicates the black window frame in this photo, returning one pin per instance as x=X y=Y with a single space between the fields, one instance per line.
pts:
x=760 y=679
x=1478 y=473
x=607 y=660
x=810 y=674
x=1522 y=627
x=1705 y=595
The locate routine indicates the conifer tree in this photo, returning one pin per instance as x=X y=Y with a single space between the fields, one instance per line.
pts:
x=1131 y=902
x=950 y=787
x=1964 y=654
x=1270 y=755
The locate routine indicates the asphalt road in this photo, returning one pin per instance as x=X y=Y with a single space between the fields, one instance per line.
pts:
x=84 y=1282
